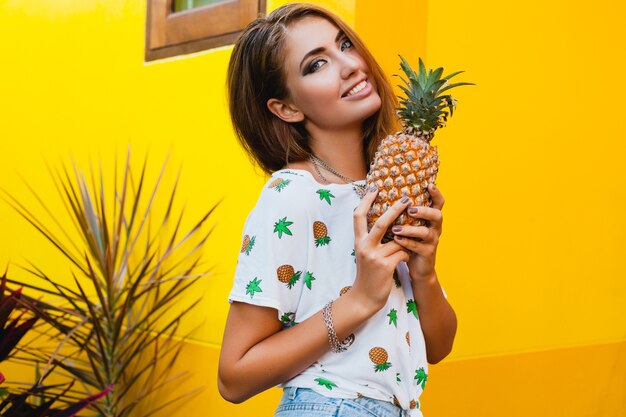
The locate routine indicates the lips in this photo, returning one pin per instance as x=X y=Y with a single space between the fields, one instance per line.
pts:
x=354 y=85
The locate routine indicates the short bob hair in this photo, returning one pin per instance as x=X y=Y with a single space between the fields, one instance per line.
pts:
x=255 y=74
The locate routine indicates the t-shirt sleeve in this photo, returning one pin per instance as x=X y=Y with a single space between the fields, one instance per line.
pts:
x=271 y=265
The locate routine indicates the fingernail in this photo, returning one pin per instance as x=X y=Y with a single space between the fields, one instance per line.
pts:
x=412 y=210
x=404 y=199
x=373 y=188
x=433 y=186
x=396 y=229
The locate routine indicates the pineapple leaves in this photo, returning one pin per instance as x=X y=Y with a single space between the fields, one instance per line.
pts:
x=436 y=75
x=408 y=70
x=454 y=85
x=447 y=77
x=422 y=72
x=424 y=104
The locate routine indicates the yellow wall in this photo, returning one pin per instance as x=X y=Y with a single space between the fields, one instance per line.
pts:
x=532 y=171
x=533 y=254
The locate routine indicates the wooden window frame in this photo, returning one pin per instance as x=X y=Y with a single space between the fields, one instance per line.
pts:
x=169 y=34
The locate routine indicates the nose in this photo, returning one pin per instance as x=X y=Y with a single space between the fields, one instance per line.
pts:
x=350 y=65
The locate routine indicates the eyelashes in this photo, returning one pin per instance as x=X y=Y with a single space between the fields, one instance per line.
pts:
x=313 y=67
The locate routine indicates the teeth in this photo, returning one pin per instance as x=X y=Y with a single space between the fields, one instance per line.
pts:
x=360 y=86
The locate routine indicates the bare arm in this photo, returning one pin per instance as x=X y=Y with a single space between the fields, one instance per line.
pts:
x=437 y=318
x=257 y=355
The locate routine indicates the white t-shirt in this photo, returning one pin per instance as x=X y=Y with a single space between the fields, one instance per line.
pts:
x=297 y=254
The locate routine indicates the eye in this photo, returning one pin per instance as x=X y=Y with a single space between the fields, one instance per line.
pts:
x=346 y=40
x=312 y=67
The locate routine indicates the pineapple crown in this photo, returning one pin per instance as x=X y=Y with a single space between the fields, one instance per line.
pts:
x=423 y=110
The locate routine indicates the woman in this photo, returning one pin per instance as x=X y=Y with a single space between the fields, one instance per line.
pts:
x=315 y=308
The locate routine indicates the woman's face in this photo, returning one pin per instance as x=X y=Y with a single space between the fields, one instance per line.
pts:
x=329 y=81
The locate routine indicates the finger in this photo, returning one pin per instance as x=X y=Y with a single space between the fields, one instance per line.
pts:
x=383 y=222
x=433 y=215
x=390 y=248
x=436 y=196
x=400 y=256
x=360 y=214
x=385 y=250
x=421 y=248
x=420 y=233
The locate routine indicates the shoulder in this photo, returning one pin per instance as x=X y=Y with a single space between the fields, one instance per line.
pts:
x=287 y=191
x=281 y=179
x=288 y=185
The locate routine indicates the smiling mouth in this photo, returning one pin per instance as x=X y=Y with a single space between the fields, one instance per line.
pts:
x=357 y=88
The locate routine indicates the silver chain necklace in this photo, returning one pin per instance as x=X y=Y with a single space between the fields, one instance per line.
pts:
x=358 y=188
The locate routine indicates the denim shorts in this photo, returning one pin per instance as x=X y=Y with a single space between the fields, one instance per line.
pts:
x=304 y=402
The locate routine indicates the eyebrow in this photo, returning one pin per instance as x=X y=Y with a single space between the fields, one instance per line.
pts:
x=320 y=49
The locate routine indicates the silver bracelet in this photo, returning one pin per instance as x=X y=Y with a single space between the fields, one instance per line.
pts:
x=333 y=340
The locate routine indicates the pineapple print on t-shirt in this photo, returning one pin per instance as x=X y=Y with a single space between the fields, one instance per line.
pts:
x=297 y=254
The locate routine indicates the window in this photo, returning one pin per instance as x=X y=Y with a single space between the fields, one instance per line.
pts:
x=175 y=27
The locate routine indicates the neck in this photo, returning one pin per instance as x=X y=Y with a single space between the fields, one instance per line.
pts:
x=342 y=150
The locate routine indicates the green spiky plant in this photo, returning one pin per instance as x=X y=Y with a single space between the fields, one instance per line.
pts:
x=118 y=321
x=40 y=399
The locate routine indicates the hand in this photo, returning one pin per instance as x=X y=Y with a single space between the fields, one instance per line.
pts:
x=424 y=247
x=376 y=261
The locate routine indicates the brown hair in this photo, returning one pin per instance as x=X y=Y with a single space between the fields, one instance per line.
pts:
x=255 y=74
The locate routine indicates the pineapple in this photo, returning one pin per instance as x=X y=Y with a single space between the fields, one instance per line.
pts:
x=412 y=404
x=247 y=244
x=344 y=290
x=279 y=183
x=320 y=232
x=379 y=356
x=408 y=339
x=287 y=275
x=396 y=402
x=405 y=163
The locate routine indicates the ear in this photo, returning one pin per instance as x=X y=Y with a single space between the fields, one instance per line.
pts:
x=285 y=111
